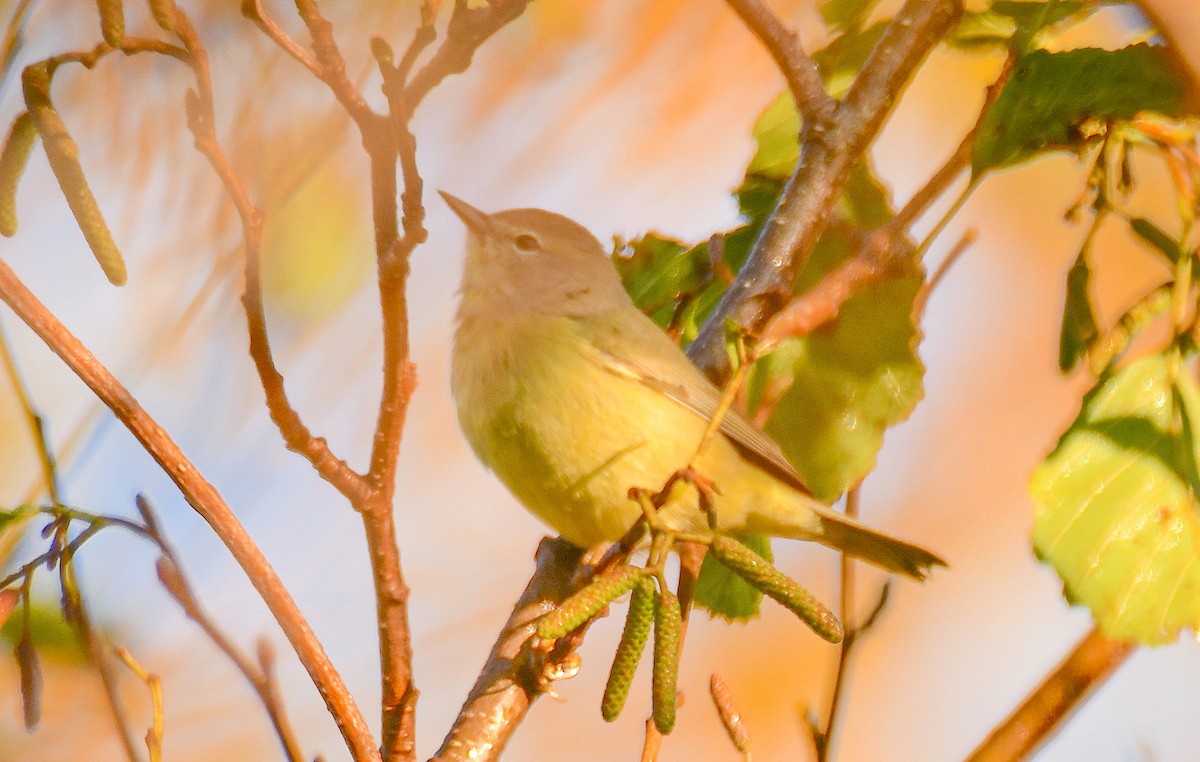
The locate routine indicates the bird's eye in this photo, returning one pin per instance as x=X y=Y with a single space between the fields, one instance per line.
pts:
x=526 y=243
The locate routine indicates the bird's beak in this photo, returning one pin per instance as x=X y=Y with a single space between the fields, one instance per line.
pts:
x=477 y=221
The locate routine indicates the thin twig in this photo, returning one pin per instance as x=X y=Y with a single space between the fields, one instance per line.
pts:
x=765 y=282
x=205 y=499
x=1072 y=682
x=254 y=10
x=170 y=573
x=154 y=736
x=824 y=738
x=75 y=611
x=965 y=241
x=37 y=424
x=804 y=81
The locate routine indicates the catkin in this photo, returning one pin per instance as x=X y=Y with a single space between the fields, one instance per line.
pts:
x=629 y=650
x=63 y=154
x=763 y=575
x=112 y=21
x=13 y=159
x=583 y=605
x=668 y=630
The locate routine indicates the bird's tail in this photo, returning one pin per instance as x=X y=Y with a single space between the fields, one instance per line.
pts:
x=844 y=534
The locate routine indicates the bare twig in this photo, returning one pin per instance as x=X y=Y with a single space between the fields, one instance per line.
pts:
x=512 y=677
x=651 y=743
x=170 y=573
x=765 y=281
x=204 y=498
x=804 y=81
x=965 y=241
x=154 y=736
x=1089 y=664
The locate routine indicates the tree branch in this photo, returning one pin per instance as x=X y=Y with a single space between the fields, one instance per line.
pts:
x=513 y=676
x=804 y=81
x=206 y=501
x=765 y=282
x=1089 y=664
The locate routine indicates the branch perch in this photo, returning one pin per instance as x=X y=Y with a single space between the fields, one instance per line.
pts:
x=765 y=282
x=205 y=499
x=1085 y=669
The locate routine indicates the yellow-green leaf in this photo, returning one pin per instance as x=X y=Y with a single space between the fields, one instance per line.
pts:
x=1115 y=510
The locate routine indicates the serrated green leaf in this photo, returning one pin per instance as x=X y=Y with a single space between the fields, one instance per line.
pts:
x=1079 y=330
x=722 y=592
x=1114 y=512
x=669 y=280
x=853 y=378
x=1048 y=95
x=840 y=15
x=851 y=381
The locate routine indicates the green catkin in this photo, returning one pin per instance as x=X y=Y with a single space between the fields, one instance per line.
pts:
x=112 y=21
x=629 y=650
x=13 y=158
x=775 y=584
x=63 y=154
x=668 y=630
x=585 y=604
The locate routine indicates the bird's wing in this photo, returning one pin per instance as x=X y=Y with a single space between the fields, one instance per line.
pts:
x=632 y=346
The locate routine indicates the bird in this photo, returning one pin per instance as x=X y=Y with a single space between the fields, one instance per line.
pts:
x=572 y=396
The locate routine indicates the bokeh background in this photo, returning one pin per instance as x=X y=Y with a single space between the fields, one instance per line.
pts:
x=628 y=116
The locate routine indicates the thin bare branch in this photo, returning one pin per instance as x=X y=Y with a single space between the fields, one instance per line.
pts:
x=254 y=10
x=205 y=499
x=765 y=282
x=170 y=574
x=1031 y=724
x=804 y=81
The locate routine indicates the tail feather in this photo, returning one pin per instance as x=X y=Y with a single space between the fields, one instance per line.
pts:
x=845 y=534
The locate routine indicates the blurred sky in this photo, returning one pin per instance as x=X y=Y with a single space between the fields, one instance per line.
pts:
x=627 y=116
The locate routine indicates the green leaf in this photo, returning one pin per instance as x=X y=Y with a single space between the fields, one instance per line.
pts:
x=853 y=378
x=1115 y=506
x=777 y=137
x=1079 y=329
x=1049 y=95
x=50 y=633
x=840 y=61
x=850 y=382
x=722 y=592
x=856 y=376
x=1015 y=24
x=840 y=15
x=672 y=282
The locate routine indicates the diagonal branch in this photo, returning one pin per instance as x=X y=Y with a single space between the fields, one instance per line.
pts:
x=804 y=81
x=1072 y=682
x=206 y=501
x=765 y=282
x=511 y=679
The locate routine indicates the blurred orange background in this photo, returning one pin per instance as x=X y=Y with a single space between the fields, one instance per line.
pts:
x=627 y=116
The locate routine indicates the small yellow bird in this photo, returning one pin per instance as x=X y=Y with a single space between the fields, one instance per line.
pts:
x=572 y=396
